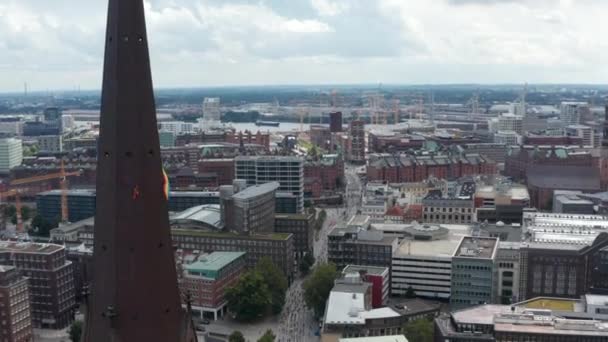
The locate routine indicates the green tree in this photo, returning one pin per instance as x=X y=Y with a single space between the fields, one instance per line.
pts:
x=267 y=337
x=75 y=331
x=249 y=298
x=420 y=330
x=318 y=286
x=26 y=212
x=236 y=336
x=410 y=293
x=40 y=226
x=306 y=263
x=275 y=281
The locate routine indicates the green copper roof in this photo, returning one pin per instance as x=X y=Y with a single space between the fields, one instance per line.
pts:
x=210 y=265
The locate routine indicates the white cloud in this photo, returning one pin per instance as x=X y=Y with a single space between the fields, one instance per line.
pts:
x=58 y=44
x=328 y=7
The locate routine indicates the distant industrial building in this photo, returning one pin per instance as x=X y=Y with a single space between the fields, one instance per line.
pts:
x=204 y=278
x=51 y=280
x=11 y=153
x=473 y=279
x=15 y=306
x=287 y=170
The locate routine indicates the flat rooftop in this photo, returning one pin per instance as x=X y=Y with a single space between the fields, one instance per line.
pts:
x=214 y=261
x=29 y=247
x=392 y=338
x=553 y=304
x=437 y=248
x=256 y=190
x=226 y=235
x=477 y=247
x=374 y=270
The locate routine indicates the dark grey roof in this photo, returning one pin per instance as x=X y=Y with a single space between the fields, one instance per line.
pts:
x=564 y=177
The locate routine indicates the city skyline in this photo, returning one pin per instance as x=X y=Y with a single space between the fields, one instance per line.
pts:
x=219 y=43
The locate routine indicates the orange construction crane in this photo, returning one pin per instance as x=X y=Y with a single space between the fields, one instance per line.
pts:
x=64 y=195
x=15 y=191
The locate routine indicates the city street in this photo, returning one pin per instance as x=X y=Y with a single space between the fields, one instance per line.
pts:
x=296 y=322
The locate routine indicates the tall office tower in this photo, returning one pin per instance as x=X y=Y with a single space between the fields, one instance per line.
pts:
x=135 y=294
x=357 y=145
x=335 y=122
x=287 y=170
x=570 y=112
x=211 y=111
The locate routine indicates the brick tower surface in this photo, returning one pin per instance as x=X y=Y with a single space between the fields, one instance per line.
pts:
x=134 y=295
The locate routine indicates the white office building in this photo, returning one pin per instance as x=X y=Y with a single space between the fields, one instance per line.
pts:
x=510 y=122
x=211 y=111
x=287 y=170
x=507 y=138
x=177 y=127
x=11 y=153
x=425 y=263
x=570 y=112
x=586 y=133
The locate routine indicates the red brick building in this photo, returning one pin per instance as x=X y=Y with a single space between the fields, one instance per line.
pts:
x=551 y=140
x=520 y=158
x=205 y=278
x=329 y=169
x=405 y=168
x=393 y=142
x=378 y=277
x=262 y=139
x=15 y=302
x=543 y=180
x=222 y=168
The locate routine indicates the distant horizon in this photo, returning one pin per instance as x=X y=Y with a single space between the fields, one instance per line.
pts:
x=59 y=44
x=321 y=86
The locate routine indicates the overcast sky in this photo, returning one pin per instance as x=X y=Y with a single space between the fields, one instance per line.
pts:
x=58 y=44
